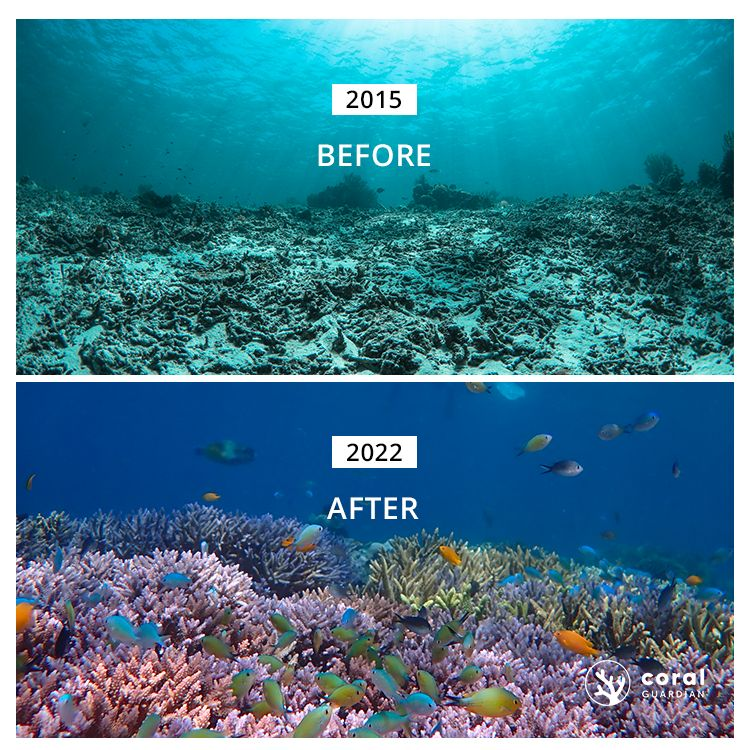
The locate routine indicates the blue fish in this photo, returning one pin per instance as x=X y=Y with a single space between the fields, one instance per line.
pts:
x=555 y=575
x=515 y=579
x=588 y=551
x=348 y=618
x=533 y=572
x=709 y=594
x=57 y=560
x=148 y=636
x=121 y=630
x=175 y=581
x=605 y=589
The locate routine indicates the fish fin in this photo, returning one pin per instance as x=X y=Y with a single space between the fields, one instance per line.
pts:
x=422 y=612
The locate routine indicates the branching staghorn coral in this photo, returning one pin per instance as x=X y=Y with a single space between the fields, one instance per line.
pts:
x=115 y=687
x=411 y=571
x=252 y=543
x=40 y=535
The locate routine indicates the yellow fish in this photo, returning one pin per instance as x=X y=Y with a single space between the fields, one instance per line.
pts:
x=537 y=443
x=693 y=580
x=576 y=643
x=30 y=482
x=492 y=701
x=24 y=616
x=449 y=554
x=210 y=497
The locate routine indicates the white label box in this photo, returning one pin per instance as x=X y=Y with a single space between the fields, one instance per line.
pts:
x=374 y=451
x=359 y=99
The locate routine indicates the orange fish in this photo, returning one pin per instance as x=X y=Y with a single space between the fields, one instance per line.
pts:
x=576 y=643
x=24 y=616
x=288 y=542
x=210 y=497
x=478 y=387
x=693 y=580
x=449 y=554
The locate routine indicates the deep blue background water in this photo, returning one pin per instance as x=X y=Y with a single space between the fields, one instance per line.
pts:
x=120 y=446
x=234 y=110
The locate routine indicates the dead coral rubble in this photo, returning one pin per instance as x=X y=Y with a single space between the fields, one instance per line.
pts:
x=634 y=282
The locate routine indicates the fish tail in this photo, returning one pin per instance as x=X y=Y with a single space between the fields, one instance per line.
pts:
x=547 y=469
x=627 y=429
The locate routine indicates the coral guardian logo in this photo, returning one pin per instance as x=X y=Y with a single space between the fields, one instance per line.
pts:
x=608 y=683
x=674 y=684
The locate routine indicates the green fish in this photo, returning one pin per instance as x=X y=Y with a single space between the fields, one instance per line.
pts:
x=344 y=634
x=364 y=732
x=71 y=615
x=280 y=623
x=273 y=663
x=274 y=697
x=149 y=726
x=386 y=684
x=314 y=722
x=384 y=722
x=446 y=635
x=328 y=682
x=396 y=669
x=226 y=617
x=468 y=644
x=346 y=696
x=260 y=709
x=373 y=656
x=216 y=647
x=428 y=685
x=360 y=646
x=242 y=682
x=285 y=640
x=201 y=733
x=470 y=674
x=438 y=653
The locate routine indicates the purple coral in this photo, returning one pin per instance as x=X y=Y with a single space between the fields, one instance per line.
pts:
x=114 y=688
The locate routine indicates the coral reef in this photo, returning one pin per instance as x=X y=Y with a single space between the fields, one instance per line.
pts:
x=40 y=534
x=351 y=192
x=441 y=197
x=634 y=282
x=410 y=572
x=114 y=687
x=663 y=172
x=253 y=543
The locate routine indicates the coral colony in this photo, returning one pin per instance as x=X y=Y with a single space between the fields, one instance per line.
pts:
x=201 y=623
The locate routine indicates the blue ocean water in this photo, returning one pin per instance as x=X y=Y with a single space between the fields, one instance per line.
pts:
x=121 y=446
x=233 y=111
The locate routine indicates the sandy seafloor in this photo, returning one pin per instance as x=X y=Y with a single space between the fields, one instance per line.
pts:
x=633 y=282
